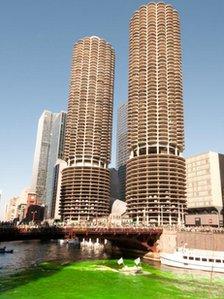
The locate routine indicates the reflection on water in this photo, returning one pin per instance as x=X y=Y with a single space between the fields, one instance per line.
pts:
x=193 y=273
x=29 y=253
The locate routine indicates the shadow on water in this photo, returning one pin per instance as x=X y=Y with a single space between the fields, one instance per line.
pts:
x=23 y=277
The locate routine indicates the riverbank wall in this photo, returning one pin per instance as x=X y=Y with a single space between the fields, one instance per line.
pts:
x=207 y=240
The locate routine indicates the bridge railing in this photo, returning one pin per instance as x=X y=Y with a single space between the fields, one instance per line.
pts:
x=113 y=230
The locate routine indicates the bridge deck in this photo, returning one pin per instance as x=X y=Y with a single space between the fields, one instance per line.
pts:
x=113 y=230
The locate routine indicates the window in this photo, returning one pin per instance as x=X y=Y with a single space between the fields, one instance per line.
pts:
x=211 y=260
x=185 y=257
x=218 y=261
x=204 y=259
x=197 y=259
x=191 y=258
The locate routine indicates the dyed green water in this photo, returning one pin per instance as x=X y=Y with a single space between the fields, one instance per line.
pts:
x=96 y=279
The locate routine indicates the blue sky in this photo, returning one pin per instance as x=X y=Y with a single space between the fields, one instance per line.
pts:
x=35 y=56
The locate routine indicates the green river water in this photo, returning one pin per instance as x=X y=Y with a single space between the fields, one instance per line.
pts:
x=99 y=279
x=38 y=269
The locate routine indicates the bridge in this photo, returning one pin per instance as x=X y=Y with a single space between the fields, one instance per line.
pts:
x=138 y=238
x=141 y=238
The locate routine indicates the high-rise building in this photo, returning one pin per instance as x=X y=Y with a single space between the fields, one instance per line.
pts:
x=122 y=147
x=156 y=179
x=205 y=186
x=122 y=135
x=114 y=185
x=55 y=205
x=41 y=154
x=85 y=190
x=22 y=203
x=55 y=152
x=49 y=147
x=11 y=209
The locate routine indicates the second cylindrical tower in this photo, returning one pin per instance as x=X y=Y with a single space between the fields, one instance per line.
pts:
x=155 y=187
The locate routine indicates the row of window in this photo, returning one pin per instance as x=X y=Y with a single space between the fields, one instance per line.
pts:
x=191 y=258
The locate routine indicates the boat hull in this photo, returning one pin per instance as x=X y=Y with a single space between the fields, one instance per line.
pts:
x=171 y=261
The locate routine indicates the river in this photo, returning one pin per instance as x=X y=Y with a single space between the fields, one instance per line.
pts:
x=49 y=270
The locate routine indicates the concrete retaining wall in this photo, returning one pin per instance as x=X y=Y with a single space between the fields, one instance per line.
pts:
x=170 y=239
x=201 y=240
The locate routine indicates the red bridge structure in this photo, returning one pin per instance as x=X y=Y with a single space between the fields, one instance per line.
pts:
x=141 y=238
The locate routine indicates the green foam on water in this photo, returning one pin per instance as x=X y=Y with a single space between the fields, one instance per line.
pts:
x=99 y=279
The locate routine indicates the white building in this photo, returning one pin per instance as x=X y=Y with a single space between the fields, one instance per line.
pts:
x=55 y=152
x=205 y=183
x=49 y=147
x=41 y=154
x=11 y=209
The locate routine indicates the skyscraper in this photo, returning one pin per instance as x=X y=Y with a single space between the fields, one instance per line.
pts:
x=85 y=187
x=156 y=179
x=55 y=152
x=122 y=135
x=56 y=194
x=11 y=209
x=122 y=147
x=49 y=147
x=205 y=186
x=40 y=161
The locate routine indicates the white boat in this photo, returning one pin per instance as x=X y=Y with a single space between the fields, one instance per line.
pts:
x=206 y=260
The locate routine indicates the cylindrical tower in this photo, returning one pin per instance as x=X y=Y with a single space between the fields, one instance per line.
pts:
x=86 y=181
x=155 y=187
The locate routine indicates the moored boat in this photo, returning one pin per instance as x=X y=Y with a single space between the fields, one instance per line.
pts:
x=198 y=259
